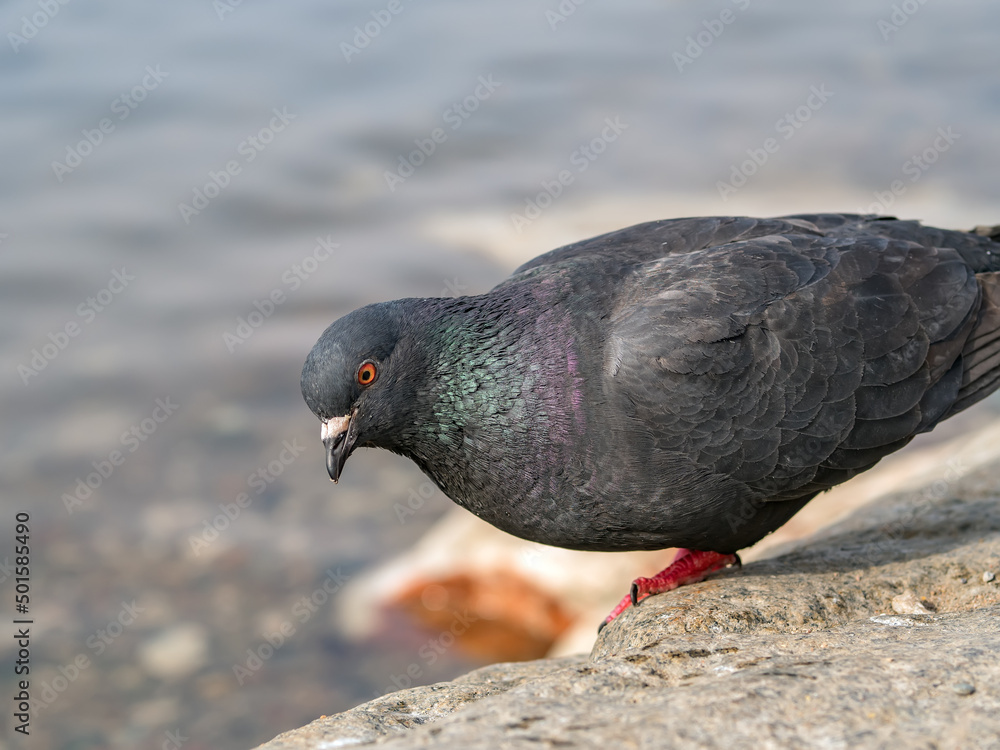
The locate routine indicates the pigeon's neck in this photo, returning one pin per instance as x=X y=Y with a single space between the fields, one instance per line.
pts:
x=498 y=371
x=468 y=351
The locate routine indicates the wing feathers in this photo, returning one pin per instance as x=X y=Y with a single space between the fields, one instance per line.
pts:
x=797 y=360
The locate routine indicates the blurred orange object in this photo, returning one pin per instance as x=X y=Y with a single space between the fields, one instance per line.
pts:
x=495 y=615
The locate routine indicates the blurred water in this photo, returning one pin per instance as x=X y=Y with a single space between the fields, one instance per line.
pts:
x=211 y=75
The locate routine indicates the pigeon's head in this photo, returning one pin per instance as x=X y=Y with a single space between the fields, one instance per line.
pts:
x=350 y=380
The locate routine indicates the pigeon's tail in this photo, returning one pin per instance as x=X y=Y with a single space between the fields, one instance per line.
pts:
x=981 y=354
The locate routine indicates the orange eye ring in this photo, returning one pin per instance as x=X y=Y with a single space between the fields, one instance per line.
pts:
x=367 y=373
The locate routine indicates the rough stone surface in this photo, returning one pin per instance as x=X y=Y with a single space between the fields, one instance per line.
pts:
x=818 y=647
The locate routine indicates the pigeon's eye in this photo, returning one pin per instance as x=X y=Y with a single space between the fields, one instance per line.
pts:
x=367 y=373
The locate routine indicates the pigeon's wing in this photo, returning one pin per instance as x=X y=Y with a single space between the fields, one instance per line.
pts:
x=789 y=363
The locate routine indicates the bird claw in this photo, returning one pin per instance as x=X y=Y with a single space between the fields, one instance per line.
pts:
x=690 y=566
x=641 y=589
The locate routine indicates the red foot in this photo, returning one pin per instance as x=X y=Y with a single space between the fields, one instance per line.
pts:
x=689 y=566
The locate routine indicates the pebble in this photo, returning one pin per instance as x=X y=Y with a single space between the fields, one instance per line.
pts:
x=988 y=576
x=908 y=604
x=963 y=688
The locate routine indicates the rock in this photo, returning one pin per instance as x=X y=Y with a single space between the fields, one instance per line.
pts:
x=908 y=604
x=824 y=646
x=403 y=710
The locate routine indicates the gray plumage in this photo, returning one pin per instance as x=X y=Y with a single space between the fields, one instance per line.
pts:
x=684 y=383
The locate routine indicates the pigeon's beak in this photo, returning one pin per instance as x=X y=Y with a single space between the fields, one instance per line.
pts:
x=338 y=441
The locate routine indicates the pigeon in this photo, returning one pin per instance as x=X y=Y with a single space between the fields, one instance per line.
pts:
x=687 y=383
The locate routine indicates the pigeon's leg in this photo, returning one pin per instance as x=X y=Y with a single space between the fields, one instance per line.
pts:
x=689 y=566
